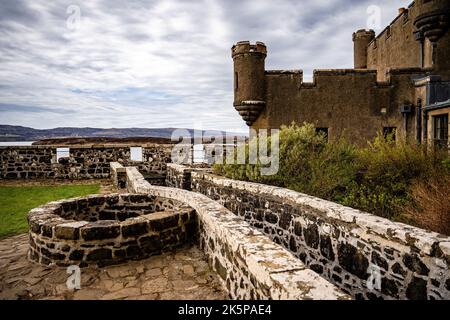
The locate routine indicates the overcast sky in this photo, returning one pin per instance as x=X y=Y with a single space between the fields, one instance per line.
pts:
x=158 y=63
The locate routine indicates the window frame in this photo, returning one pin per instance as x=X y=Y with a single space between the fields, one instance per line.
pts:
x=443 y=129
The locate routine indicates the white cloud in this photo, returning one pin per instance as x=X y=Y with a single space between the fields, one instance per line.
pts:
x=158 y=63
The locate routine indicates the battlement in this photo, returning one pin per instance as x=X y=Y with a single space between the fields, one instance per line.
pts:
x=363 y=33
x=328 y=76
x=278 y=72
x=243 y=47
x=341 y=72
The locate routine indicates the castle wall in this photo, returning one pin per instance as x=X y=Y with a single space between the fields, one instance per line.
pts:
x=346 y=102
x=396 y=46
x=249 y=264
x=443 y=57
x=34 y=162
x=367 y=256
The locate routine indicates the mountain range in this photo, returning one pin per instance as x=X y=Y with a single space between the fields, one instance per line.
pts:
x=19 y=133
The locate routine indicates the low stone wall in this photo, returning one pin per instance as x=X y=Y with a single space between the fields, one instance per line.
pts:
x=179 y=176
x=367 y=256
x=250 y=265
x=84 y=162
x=118 y=175
x=107 y=229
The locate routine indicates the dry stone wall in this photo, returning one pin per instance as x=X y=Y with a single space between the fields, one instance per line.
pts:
x=107 y=229
x=83 y=162
x=179 y=176
x=250 y=265
x=367 y=256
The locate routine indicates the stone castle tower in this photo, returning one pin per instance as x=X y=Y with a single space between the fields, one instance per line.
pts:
x=400 y=82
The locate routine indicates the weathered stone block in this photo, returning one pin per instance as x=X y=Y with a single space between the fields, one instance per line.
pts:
x=164 y=223
x=76 y=255
x=221 y=270
x=47 y=230
x=150 y=244
x=311 y=235
x=107 y=215
x=397 y=269
x=270 y=217
x=69 y=231
x=417 y=289
x=298 y=228
x=353 y=261
x=99 y=254
x=134 y=229
x=389 y=287
x=326 y=247
x=413 y=263
x=379 y=260
x=100 y=230
x=285 y=219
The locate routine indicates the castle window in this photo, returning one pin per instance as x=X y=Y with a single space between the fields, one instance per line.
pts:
x=389 y=132
x=236 y=81
x=136 y=154
x=388 y=32
x=440 y=130
x=324 y=131
x=62 y=153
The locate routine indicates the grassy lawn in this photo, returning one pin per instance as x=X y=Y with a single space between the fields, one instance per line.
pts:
x=15 y=202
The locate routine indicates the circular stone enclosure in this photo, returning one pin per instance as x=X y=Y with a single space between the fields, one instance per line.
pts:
x=108 y=229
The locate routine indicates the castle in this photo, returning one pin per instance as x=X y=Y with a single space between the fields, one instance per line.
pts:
x=400 y=83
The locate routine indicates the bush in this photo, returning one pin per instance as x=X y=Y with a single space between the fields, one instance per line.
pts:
x=431 y=206
x=308 y=163
x=386 y=171
x=393 y=179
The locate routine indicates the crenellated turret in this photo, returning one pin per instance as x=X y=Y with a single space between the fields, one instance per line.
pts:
x=361 y=40
x=249 y=79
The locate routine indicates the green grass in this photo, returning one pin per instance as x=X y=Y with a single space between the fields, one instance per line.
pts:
x=16 y=202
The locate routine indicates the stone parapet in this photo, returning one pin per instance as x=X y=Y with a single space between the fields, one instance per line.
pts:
x=107 y=229
x=250 y=265
x=365 y=255
x=83 y=162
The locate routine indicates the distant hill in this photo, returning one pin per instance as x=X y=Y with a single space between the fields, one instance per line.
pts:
x=19 y=133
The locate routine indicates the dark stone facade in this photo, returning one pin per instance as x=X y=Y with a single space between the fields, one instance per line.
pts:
x=36 y=162
x=395 y=78
x=340 y=251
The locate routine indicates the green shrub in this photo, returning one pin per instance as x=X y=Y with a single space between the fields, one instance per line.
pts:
x=377 y=178
x=386 y=171
x=308 y=163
